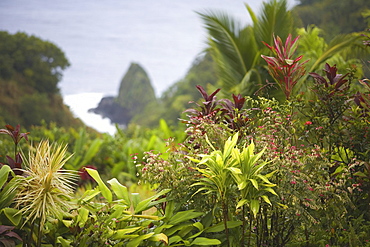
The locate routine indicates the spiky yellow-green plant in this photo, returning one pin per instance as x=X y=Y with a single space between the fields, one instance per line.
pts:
x=46 y=189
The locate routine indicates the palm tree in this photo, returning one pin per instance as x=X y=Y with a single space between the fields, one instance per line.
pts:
x=237 y=50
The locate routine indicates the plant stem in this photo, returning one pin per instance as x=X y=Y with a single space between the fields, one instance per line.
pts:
x=39 y=234
x=225 y=219
x=243 y=227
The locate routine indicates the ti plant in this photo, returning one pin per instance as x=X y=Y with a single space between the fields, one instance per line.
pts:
x=224 y=170
x=15 y=133
x=285 y=70
x=210 y=104
x=252 y=184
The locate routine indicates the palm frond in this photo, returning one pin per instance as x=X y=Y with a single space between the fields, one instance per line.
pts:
x=275 y=19
x=233 y=48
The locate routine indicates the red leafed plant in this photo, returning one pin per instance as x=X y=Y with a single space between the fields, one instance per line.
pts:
x=282 y=67
x=16 y=135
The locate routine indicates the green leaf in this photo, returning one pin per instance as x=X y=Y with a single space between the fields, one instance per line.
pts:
x=221 y=227
x=89 y=195
x=175 y=239
x=4 y=173
x=149 y=217
x=254 y=182
x=241 y=203
x=170 y=207
x=266 y=199
x=255 y=207
x=270 y=190
x=193 y=159
x=159 y=237
x=136 y=241
x=122 y=233
x=360 y=174
x=242 y=185
x=338 y=170
x=91 y=152
x=12 y=215
x=234 y=170
x=103 y=188
x=63 y=242
x=147 y=203
x=199 y=226
x=263 y=178
x=184 y=216
x=120 y=191
x=82 y=217
x=205 y=241
x=229 y=145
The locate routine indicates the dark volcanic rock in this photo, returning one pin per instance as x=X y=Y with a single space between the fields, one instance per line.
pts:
x=109 y=108
x=135 y=95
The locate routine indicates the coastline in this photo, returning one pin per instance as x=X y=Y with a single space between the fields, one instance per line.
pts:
x=80 y=104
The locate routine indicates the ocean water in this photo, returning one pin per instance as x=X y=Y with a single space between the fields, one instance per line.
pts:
x=101 y=39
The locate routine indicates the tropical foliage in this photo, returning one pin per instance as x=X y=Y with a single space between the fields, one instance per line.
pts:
x=246 y=171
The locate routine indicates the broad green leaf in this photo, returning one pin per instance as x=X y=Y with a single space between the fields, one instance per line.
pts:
x=269 y=175
x=64 y=242
x=4 y=173
x=283 y=205
x=229 y=145
x=242 y=185
x=165 y=129
x=91 y=152
x=263 y=178
x=103 y=188
x=338 y=170
x=205 y=241
x=270 y=190
x=149 y=217
x=159 y=237
x=147 y=203
x=360 y=174
x=184 y=216
x=117 y=211
x=220 y=226
x=120 y=191
x=67 y=223
x=199 y=226
x=136 y=241
x=207 y=219
x=175 y=239
x=255 y=207
x=175 y=228
x=170 y=207
x=122 y=233
x=185 y=231
x=193 y=159
x=254 y=182
x=13 y=215
x=241 y=203
x=266 y=199
x=234 y=170
x=89 y=195
x=82 y=217
x=135 y=199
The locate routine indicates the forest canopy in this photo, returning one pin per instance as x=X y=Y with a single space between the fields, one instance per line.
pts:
x=30 y=70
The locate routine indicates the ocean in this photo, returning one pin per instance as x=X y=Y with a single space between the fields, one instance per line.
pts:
x=101 y=39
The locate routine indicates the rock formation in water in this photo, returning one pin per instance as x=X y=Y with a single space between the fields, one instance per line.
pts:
x=135 y=95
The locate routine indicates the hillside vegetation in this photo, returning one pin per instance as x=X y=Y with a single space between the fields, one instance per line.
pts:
x=30 y=70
